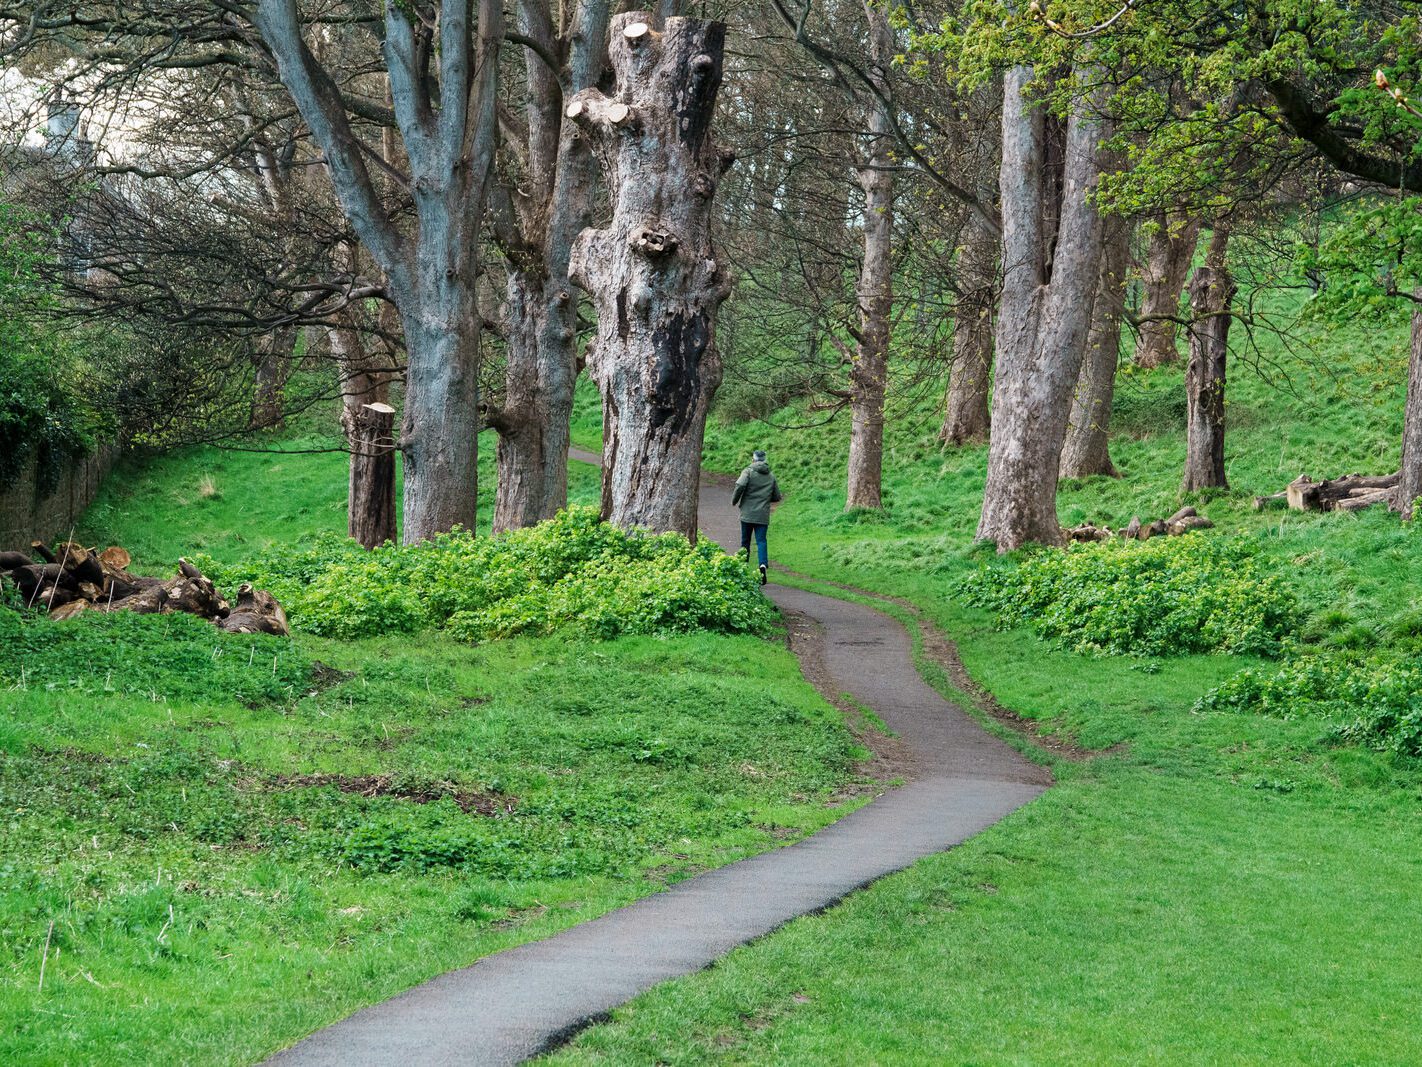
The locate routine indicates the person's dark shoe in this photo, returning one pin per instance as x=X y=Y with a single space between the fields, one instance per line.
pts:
x=763 y=578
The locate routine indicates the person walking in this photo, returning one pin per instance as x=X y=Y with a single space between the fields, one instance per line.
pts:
x=756 y=489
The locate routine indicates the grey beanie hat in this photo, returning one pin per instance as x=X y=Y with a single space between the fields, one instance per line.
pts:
x=758 y=455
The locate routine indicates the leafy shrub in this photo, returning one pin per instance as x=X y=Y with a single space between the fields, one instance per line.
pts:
x=1169 y=596
x=572 y=571
x=1369 y=701
x=176 y=656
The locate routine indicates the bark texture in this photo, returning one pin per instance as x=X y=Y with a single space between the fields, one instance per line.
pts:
x=653 y=273
x=370 y=496
x=1211 y=290
x=966 y=419
x=875 y=292
x=1410 y=486
x=538 y=213
x=1169 y=252
x=1086 y=450
x=373 y=478
x=1043 y=318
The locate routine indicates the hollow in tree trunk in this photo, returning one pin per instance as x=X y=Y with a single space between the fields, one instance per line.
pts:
x=653 y=273
x=875 y=292
x=1043 y=316
x=1169 y=252
x=1410 y=488
x=1086 y=450
x=1211 y=290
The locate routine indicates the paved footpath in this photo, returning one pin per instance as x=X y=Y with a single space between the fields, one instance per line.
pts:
x=515 y=1004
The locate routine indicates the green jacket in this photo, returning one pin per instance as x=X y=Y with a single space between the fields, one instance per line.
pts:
x=756 y=490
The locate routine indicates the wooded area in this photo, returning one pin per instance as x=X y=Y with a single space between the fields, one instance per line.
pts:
x=444 y=212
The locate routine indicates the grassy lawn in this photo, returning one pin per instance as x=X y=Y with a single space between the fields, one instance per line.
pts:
x=216 y=844
x=1217 y=887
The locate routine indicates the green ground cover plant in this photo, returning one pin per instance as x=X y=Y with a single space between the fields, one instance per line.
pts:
x=572 y=571
x=1164 y=597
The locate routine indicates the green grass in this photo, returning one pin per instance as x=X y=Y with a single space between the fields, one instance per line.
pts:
x=214 y=844
x=1220 y=887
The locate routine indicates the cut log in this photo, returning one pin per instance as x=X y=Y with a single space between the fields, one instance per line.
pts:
x=1262 y=502
x=115 y=557
x=80 y=562
x=147 y=601
x=81 y=580
x=1363 y=498
x=42 y=550
x=1188 y=523
x=69 y=610
x=257 y=612
x=1183 y=513
x=1132 y=529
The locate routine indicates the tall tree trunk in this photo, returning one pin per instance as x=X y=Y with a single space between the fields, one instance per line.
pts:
x=1211 y=290
x=1086 y=450
x=533 y=425
x=365 y=384
x=440 y=430
x=875 y=293
x=654 y=274
x=273 y=358
x=1042 y=325
x=445 y=104
x=541 y=346
x=1410 y=488
x=965 y=419
x=1169 y=252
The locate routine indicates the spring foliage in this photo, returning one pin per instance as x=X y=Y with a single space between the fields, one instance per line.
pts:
x=1164 y=597
x=571 y=572
x=1372 y=701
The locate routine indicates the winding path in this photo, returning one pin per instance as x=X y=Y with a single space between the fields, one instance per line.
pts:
x=515 y=1004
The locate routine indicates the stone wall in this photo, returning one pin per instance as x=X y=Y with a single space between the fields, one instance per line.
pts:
x=24 y=519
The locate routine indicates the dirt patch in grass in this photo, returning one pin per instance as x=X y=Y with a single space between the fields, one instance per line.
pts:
x=470 y=801
x=324 y=676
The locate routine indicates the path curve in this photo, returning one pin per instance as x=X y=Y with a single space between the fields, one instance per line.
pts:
x=517 y=1003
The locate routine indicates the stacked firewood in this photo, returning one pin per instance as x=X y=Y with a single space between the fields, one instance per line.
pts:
x=69 y=579
x=1350 y=492
x=1183 y=521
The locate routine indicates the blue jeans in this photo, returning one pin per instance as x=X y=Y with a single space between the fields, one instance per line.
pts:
x=759 y=528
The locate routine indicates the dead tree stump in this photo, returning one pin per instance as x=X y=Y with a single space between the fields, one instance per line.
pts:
x=372 y=490
x=653 y=273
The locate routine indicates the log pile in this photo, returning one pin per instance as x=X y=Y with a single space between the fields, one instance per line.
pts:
x=70 y=579
x=1350 y=492
x=1182 y=522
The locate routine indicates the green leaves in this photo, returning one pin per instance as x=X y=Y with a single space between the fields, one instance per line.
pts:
x=1372 y=701
x=571 y=572
x=1165 y=597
